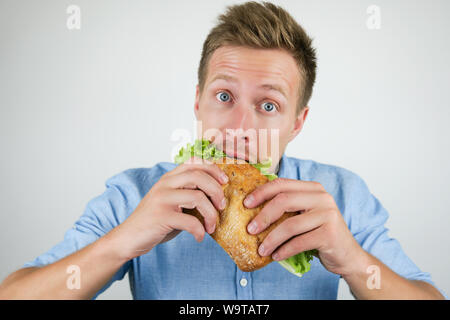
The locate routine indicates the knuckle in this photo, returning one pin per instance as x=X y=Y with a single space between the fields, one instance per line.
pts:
x=256 y=193
x=216 y=168
x=329 y=198
x=217 y=192
x=198 y=229
x=203 y=202
x=196 y=174
x=198 y=196
x=193 y=225
x=190 y=204
x=211 y=216
x=290 y=227
x=277 y=181
x=332 y=215
x=280 y=199
x=297 y=244
x=264 y=221
x=268 y=241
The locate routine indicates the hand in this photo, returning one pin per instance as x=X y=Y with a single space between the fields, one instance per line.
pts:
x=159 y=217
x=320 y=224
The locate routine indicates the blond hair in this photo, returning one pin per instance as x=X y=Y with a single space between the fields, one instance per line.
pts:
x=265 y=26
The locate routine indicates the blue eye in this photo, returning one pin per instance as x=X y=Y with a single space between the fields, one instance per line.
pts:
x=223 y=96
x=269 y=106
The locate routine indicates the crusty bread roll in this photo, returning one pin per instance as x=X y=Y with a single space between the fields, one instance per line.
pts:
x=231 y=227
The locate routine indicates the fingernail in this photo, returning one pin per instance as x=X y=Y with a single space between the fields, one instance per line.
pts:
x=261 y=250
x=276 y=256
x=224 y=178
x=248 y=200
x=213 y=228
x=252 y=227
x=223 y=204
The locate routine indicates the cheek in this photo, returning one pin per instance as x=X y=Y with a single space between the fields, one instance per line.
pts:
x=208 y=107
x=205 y=110
x=209 y=101
x=214 y=114
x=279 y=138
x=209 y=122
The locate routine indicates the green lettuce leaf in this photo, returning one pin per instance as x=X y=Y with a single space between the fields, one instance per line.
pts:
x=201 y=148
x=263 y=167
x=297 y=264
x=300 y=263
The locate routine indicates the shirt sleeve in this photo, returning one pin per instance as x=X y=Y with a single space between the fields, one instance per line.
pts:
x=367 y=224
x=101 y=215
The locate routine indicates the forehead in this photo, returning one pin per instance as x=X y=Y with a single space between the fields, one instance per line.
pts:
x=256 y=65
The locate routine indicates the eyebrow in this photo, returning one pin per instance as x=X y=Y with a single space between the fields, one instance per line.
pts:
x=267 y=86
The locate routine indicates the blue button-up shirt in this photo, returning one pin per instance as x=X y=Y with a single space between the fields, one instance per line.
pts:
x=182 y=268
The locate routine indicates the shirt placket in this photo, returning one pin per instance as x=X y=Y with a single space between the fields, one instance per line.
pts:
x=244 y=285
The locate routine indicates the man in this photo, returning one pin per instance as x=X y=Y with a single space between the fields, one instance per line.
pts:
x=257 y=71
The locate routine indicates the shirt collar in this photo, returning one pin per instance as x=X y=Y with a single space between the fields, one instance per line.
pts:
x=288 y=168
x=282 y=167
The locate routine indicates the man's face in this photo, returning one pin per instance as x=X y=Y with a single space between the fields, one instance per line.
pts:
x=250 y=96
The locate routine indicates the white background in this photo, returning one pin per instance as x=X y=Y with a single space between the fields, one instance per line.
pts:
x=77 y=107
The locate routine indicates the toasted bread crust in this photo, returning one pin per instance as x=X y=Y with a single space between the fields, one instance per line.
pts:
x=231 y=228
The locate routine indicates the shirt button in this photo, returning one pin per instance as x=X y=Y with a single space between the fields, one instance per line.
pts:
x=243 y=282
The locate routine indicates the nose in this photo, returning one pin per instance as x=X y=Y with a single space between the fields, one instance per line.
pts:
x=240 y=121
x=241 y=117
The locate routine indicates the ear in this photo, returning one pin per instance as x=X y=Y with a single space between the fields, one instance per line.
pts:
x=298 y=124
x=197 y=99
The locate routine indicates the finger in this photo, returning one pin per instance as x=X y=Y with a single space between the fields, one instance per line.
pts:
x=304 y=242
x=194 y=199
x=182 y=221
x=194 y=179
x=196 y=163
x=289 y=228
x=281 y=203
x=272 y=188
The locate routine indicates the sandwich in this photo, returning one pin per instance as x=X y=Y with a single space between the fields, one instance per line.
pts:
x=231 y=227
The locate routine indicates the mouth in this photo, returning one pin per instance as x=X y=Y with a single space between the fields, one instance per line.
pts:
x=244 y=153
x=236 y=151
x=237 y=154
